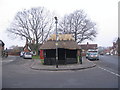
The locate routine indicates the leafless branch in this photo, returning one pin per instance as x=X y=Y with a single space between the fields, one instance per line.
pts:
x=79 y=25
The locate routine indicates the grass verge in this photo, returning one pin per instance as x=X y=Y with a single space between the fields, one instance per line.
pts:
x=38 y=58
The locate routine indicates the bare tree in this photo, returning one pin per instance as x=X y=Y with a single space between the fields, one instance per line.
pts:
x=79 y=25
x=34 y=24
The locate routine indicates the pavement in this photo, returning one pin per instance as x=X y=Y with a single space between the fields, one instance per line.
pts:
x=37 y=65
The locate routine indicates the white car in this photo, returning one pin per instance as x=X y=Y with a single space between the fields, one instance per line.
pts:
x=107 y=53
x=93 y=56
x=27 y=55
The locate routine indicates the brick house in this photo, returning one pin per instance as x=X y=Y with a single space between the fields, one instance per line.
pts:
x=87 y=46
x=15 y=51
x=31 y=47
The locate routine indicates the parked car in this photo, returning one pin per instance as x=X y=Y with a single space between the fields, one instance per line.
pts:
x=101 y=53
x=93 y=56
x=87 y=54
x=27 y=55
x=107 y=53
x=91 y=51
x=21 y=54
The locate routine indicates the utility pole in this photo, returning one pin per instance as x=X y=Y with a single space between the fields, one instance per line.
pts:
x=56 y=21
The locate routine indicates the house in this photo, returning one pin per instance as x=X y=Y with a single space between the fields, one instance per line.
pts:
x=115 y=48
x=31 y=47
x=15 y=50
x=87 y=46
x=1 y=47
x=67 y=50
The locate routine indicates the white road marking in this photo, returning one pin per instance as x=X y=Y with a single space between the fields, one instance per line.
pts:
x=7 y=60
x=109 y=71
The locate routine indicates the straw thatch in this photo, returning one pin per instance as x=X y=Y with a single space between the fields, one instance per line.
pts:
x=61 y=37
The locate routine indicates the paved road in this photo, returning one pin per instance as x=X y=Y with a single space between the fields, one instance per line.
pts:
x=108 y=62
x=17 y=74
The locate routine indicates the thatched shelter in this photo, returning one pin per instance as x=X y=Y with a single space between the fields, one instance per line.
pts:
x=67 y=51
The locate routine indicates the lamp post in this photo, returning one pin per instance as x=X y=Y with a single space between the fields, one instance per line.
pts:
x=56 y=21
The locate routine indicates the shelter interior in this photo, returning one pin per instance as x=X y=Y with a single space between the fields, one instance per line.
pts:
x=65 y=56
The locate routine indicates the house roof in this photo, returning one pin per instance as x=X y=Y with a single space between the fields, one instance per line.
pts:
x=61 y=37
x=88 y=46
x=66 y=44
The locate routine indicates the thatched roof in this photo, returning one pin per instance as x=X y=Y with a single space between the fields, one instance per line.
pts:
x=66 y=44
x=61 y=37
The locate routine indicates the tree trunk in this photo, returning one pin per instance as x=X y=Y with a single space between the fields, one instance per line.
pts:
x=75 y=35
x=37 y=48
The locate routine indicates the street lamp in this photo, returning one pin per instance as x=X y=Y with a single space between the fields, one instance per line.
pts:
x=56 y=21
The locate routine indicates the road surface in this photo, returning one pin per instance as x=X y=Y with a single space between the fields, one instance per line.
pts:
x=17 y=74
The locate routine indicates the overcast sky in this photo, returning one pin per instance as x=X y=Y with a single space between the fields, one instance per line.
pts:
x=103 y=12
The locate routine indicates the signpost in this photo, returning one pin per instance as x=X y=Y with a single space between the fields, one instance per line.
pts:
x=56 y=42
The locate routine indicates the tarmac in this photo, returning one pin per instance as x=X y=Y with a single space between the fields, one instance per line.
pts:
x=37 y=65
